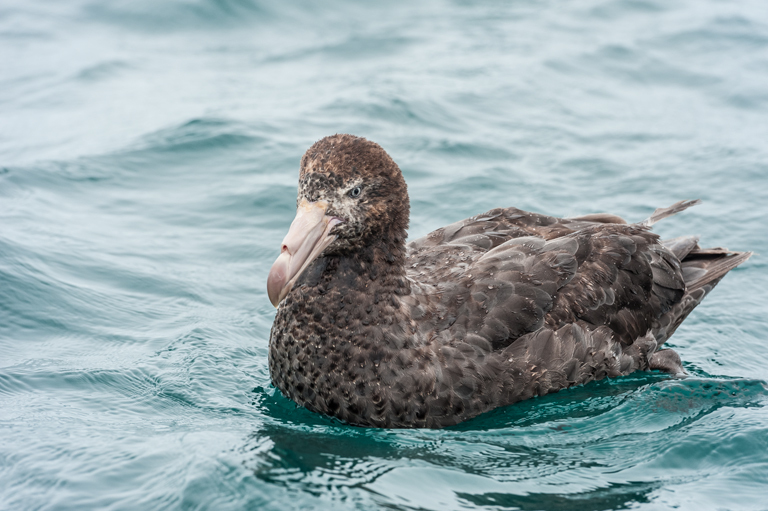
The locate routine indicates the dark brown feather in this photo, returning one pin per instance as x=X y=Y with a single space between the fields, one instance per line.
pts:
x=482 y=313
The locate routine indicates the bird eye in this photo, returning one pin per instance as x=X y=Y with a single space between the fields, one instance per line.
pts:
x=355 y=192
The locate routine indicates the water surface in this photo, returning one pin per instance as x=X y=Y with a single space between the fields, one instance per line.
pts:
x=149 y=156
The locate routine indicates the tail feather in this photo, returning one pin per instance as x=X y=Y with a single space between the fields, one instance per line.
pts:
x=682 y=246
x=702 y=270
x=705 y=267
x=662 y=213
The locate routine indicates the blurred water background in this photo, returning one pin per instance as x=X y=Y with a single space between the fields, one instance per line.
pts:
x=149 y=156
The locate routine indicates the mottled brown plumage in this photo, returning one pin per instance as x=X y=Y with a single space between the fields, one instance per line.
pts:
x=494 y=309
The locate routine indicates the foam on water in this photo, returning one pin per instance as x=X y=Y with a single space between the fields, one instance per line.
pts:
x=148 y=163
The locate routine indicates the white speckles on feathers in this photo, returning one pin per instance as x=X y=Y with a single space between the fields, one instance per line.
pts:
x=485 y=312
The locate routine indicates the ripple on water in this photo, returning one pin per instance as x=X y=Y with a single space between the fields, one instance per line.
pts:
x=148 y=165
x=545 y=450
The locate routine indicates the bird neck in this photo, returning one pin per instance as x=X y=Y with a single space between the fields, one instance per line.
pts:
x=376 y=270
x=380 y=264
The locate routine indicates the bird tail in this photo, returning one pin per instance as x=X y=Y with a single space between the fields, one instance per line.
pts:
x=662 y=213
x=702 y=269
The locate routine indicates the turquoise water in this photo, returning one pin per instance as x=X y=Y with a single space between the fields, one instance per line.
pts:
x=149 y=156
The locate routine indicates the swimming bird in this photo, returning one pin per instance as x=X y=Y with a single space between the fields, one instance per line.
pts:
x=482 y=313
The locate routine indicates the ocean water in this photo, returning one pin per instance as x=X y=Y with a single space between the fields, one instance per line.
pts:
x=149 y=155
